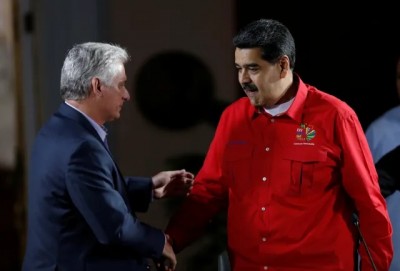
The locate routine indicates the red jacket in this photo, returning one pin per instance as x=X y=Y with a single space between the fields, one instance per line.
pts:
x=290 y=183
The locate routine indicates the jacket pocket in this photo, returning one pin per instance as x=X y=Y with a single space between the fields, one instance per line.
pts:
x=303 y=163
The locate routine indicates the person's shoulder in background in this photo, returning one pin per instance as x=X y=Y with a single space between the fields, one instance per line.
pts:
x=390 y=116
x=389 y=172
x=383 y=134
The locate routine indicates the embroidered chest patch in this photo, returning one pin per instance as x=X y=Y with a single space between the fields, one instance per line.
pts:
x=305 y=132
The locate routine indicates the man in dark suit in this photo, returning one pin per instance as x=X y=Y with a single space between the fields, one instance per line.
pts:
x=81 y=209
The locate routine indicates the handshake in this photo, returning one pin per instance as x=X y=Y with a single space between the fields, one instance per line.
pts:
x=167 y=184
x=168 y=260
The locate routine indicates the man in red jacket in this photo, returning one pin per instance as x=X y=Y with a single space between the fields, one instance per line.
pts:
x=291 y=164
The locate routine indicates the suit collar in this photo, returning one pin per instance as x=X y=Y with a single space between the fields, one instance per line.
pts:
x=70 y=113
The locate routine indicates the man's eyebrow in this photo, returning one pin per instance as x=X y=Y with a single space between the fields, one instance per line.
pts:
x=249 y=65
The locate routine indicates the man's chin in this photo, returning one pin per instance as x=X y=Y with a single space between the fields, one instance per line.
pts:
x=255 y=102
x=115 y=117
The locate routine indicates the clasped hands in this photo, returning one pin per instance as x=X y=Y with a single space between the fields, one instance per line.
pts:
x=168 y=260
x=172 y=183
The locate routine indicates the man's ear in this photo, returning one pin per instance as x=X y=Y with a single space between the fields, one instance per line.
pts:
x=284 y=65
x=96 y=86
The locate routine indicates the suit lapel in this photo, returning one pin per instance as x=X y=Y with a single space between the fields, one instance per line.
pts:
x=66 y=111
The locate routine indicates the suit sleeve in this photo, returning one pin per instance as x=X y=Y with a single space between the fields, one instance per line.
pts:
x=89 y=182
x=140 y=192
x=361 y=183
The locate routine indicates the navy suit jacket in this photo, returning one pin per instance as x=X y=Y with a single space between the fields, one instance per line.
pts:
x=81 y=210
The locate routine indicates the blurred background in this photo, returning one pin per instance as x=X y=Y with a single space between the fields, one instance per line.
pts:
x=180 y=78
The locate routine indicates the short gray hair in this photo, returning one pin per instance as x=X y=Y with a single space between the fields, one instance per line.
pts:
x=85 y=61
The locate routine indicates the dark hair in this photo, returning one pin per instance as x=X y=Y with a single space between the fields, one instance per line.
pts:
x=271 y=36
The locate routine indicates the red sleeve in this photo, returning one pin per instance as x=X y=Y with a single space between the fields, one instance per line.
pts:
x=361 y=183
x=207 y=198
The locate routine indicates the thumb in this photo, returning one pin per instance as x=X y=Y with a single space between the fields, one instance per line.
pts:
x=178 y=172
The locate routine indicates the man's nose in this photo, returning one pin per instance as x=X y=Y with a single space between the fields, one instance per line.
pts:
x=126 y=96
x=244 y=77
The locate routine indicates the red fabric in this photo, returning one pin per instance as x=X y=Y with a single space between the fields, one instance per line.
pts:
x=291 y=183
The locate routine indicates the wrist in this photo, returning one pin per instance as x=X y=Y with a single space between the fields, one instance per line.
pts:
x=169 y=240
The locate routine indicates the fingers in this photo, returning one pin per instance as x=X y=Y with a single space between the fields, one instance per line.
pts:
x=189 y=181
x=169 y=261
x=182 y=173
x=172 y=183
x=188 y=187
x=164 y=266
x=187 y=174
x=169 y=265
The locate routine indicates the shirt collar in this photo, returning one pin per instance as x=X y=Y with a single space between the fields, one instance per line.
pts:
x=295 y=111
x=101 y=130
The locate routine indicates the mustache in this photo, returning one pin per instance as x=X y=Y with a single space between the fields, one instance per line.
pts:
x=249 y=87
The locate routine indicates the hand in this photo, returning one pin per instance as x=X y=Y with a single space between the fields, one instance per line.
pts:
x=168 y=261
x=172 y=183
